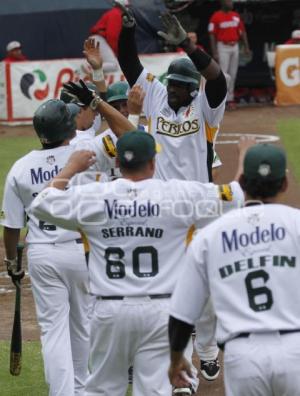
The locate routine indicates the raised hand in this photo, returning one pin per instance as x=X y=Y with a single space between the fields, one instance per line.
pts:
x=174 y=33
x=83 y=93
x=135 y=100
x=91 y=51
x=127 y=16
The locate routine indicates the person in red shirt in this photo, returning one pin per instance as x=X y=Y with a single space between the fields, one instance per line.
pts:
x=226 y=29
x=14 y=52
x=107 y=31
x=295 y=38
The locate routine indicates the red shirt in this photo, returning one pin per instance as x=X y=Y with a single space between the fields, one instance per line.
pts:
x=109 y=26
x=226 y=26
x=11 y=59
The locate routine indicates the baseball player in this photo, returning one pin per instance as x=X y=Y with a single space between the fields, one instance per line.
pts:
x=56 y=259
x=184 y=122
x=226 y=28
x=254 y=286
x=137 y=228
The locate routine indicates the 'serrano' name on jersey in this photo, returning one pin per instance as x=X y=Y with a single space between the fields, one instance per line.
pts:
x=41 y=176
x=236 y=241
x=132 y=209
x=169 y=128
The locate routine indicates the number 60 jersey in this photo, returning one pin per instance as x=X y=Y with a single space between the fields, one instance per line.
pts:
x=136 y=230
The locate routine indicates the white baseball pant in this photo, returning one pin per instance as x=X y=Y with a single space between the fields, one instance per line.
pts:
x=229 y=62
x=263 y=364
x=205 y=340
x=59 y=279
x=132 y=331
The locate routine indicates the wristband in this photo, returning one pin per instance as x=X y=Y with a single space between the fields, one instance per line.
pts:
x=134 y=119
x=95 y=102
x=98 y=75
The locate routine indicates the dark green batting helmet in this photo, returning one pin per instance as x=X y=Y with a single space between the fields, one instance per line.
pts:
x=67 y=97
x=184 y=70
x=117 y=91
x=54 y=120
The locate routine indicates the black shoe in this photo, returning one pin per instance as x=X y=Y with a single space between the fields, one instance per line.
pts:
x=186 y=391
x=130 y=375
x=210 y=369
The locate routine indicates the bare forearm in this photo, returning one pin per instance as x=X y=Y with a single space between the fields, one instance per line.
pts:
x=244 y=38
x=11 y=238
x=61 y=180
x=116 y=121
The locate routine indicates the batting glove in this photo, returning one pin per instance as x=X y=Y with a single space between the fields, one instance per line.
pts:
x=174 y=33
x=12 y=270
x=83 y=93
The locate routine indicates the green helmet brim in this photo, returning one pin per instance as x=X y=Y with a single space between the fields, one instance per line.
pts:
x=185 y=79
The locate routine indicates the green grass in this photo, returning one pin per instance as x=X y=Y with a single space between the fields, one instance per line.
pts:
x=289 y=132
x=11 y=149
x=31 y=380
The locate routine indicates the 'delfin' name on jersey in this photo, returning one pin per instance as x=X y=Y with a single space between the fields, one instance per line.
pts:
x=237 y=240
x=39 y=176
x=132 y=209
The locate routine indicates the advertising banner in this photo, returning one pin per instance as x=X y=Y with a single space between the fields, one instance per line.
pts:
x=287 y=70
x=26 y=85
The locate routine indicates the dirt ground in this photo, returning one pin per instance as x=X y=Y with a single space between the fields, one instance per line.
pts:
x=259 y=120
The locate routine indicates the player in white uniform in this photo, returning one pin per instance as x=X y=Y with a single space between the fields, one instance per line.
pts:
x=184 y=122
x=248 y=261
x=137 y=228
x=56 y=257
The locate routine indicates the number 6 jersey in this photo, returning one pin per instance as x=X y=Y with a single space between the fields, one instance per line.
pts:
x=136 y=230
x=248 y=261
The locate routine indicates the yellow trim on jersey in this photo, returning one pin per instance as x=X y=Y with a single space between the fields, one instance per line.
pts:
x=149 y=125
x=98 y=177
x=109 y=146
x=189 y=235
x=210 y=132
x=225 y=192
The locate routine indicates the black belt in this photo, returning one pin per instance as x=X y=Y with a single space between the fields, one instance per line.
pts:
x=152 y=296
x=78 y=240
x=246 y=335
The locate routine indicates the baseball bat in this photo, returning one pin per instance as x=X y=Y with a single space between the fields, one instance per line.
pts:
x=16 y=337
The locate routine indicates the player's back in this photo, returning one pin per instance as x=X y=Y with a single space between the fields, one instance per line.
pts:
x=138 y=242
x=253 y=266
x=28 y=176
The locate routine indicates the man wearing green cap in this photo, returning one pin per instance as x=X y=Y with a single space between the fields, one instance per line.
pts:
x=136 y=227
x=248 y=261
x=56 y=260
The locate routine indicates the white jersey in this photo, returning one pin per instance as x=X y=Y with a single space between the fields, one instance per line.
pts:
x=249 y=262
x=109 y=140
x=183 y=136
x=29 y=175
x=136 y=230
x=89 y=133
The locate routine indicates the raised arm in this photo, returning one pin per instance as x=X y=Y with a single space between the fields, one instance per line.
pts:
x=116 y=121
x=127 y=51
x=215 y=88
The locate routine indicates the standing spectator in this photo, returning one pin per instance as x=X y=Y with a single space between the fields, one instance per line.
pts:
x=295 y=38
x=226 y=29
x=107 y=31
x=14 y=52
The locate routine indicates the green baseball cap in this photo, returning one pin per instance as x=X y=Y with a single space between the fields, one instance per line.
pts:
x=266 y=162
x=135 y=147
